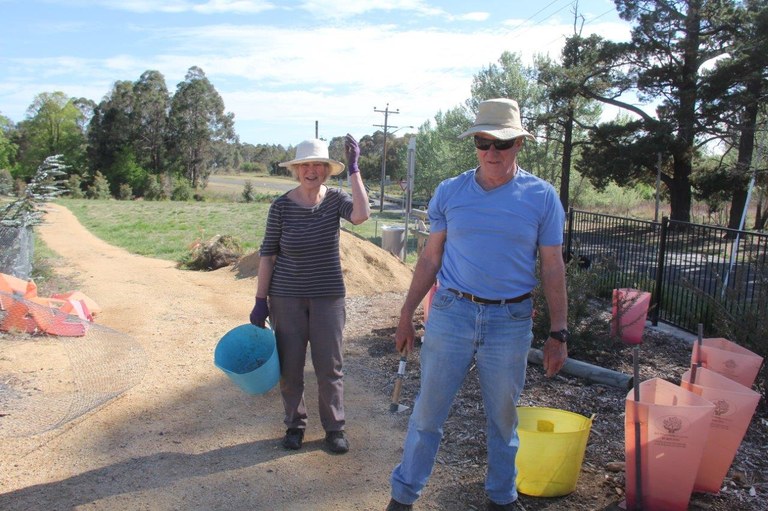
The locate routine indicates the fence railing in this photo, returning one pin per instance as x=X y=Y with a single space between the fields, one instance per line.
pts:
x=687 y=267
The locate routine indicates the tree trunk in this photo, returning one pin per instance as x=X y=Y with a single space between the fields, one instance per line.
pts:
x=746 y=150
x=680 y=191
x=565 y=173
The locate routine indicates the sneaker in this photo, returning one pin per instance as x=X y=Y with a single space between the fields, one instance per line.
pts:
x=396 y=506
x=512 y=506
x=336 y=442
x=293 y=438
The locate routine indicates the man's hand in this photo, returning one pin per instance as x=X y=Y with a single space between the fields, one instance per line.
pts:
x=555 y=355
x=405 y=334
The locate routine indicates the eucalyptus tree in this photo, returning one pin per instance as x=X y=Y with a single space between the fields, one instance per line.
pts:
x=197 y=121
x=111 y=134
x=52 y=126
x=7 y=146
x=440 y=154
x=149 y=120
x=661 y=66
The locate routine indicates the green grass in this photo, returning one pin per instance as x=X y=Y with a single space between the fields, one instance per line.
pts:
x=166 y=229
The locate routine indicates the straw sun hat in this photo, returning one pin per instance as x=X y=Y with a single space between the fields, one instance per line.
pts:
x=313 y=150
x=499 y=118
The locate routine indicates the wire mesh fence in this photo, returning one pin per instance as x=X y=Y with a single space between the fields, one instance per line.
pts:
x=47 y=380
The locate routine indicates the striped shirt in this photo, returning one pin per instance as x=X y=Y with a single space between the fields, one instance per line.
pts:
x=306 y=243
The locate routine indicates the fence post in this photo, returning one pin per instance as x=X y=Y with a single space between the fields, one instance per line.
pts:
x=657 y=294
x=569 y=234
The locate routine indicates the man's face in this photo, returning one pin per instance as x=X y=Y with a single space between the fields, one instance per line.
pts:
x=499 y=159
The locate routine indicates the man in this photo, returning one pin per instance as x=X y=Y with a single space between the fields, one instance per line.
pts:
x=487 y=227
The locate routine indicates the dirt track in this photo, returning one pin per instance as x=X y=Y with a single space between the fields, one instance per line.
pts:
x=185 y=438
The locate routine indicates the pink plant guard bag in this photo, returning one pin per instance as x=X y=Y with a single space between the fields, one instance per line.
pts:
x=735 y=405
x=630 y=309
x=727 y=358
x=674 y=424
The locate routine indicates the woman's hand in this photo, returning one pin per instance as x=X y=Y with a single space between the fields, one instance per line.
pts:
x=260 y=313
x=352 y=152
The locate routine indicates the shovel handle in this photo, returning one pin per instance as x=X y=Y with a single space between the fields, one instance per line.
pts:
x=399 y=381
x=396 y=391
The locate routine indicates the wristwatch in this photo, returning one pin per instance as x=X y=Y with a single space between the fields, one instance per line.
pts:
x=561 y=335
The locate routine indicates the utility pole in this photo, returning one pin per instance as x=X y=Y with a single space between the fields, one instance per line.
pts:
x=386 y=113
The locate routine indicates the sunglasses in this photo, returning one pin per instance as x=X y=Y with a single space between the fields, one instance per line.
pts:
x=501 y=145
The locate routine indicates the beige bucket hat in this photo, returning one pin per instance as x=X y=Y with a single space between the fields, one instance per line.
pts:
x=499 y=118
x=313 y=150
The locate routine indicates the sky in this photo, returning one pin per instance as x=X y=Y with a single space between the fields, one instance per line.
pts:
x=287 y=69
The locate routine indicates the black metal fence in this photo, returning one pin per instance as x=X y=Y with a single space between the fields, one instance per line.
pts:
x=687 y=267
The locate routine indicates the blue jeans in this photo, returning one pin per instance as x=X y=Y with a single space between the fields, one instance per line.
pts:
x=459 y=332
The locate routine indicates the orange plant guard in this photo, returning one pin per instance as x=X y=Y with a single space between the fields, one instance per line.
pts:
x=674 y=424
x=735 y=405
x=727 y=358
x=630 y=309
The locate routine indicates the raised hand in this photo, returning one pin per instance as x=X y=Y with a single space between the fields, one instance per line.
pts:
x=352 y=152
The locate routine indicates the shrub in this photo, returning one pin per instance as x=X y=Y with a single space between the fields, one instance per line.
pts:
x=100 y=187
x=588 y=330
x=6 y=182
x=248 y=192
x=75 y=186
x=125 y=192
x=182 y=191
x=154 y=189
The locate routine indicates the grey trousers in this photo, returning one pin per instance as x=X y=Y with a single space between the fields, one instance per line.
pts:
x=319 y=322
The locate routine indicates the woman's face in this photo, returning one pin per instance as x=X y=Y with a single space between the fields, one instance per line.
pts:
x=312 y=173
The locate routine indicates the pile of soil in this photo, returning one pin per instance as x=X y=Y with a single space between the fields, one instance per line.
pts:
x=367 y=268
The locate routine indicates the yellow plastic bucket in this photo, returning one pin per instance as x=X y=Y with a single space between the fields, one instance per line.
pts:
x=552 y=445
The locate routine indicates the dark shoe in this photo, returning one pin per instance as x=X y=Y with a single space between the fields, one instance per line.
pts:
x=396 y=506
x=336 y=442
x=512 y=506
x=293 y=438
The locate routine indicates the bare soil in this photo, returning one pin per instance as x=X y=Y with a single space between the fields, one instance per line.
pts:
x=186 y=438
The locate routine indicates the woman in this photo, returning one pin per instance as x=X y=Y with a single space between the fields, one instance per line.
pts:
x=300 y=272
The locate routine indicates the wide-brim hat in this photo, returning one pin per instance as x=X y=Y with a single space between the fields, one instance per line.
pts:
x=313 y=150
x=499 y=118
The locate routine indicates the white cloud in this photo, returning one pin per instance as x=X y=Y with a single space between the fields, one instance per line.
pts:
x=181 y=6
x=291 y=74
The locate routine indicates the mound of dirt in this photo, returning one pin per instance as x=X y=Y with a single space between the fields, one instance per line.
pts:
x=367 y=269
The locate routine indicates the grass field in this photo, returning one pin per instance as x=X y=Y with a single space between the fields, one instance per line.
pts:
x=167 y=229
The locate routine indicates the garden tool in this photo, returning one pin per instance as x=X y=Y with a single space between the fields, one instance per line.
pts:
x=395 y=405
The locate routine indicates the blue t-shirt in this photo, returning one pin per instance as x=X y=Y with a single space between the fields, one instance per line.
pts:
x=493 y=236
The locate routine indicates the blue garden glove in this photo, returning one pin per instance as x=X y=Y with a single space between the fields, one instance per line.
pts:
x=260 y=313
x=352 y=152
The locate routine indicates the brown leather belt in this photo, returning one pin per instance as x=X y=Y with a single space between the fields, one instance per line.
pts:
x=477 y=299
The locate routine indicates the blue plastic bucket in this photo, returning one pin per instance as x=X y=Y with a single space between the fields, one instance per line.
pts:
x=248 y=356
